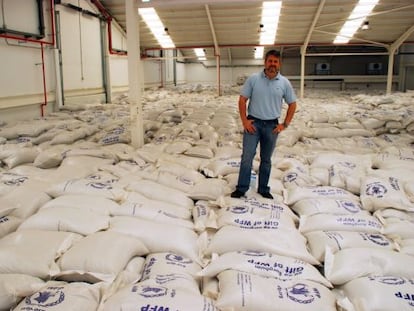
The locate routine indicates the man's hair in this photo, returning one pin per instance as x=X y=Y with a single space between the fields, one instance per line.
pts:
x=272 y=52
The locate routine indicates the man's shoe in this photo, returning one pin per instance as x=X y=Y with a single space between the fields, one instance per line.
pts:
x=266 y=195
x=237 y=194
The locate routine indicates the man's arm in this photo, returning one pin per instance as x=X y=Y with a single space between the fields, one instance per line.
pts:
x=247 y=124
x=289 y=114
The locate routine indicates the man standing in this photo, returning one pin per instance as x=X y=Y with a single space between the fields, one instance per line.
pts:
x=265 y=92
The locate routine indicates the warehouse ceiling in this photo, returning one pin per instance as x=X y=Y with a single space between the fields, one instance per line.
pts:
x=234 y=26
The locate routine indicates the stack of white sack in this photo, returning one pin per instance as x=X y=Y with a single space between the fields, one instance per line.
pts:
x=99 y=217
x=169 y=282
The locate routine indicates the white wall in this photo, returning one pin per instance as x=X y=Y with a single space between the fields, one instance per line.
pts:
x=21 y=74
x=81 y=49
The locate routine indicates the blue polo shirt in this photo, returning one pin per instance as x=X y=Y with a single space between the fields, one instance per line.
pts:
x=266 y=95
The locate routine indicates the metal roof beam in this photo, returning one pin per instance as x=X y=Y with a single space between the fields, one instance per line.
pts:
x=213 y=32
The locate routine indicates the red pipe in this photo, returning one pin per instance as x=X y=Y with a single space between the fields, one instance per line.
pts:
x=41 y=42
x=42 y=106
x=108 y=18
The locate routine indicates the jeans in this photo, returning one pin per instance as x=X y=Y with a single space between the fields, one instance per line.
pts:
x=267 y=139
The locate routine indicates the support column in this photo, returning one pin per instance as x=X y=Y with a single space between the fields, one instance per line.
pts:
x=302 y=72
x=134 y=64
x=391 y=52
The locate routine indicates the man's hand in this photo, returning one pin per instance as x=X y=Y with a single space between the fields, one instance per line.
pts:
x=280 y=127
x=248 y=126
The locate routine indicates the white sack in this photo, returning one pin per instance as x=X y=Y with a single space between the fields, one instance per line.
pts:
x=388 y=161
x=8 y=224
x=293 y=195
x=131 y=274
x=330 y=222
x=308 y=207
x=178 y=177
x=20 y=156
x=384 y=192
x=25 y=199
x=200 y=152
x=219 y=167
x=209 y=189
x=253 y=217
x=255 y=204
x=168 y=263
x=347 y=176
x=85 y=186
x=296 y=178
x=61 y=296
x=70 y=219
x=278 y=241
x=383 y=214
x=204 y=216
x=243 y=291
x=149 y=212
x=14 y=287
x=318 y=241
x=398 y=229
x=196 y=187
x=135 y=201
x=93 y=203
x=100 y=256
x=264 y=264
x=351 y=263
x=327 y=159
x=155 y=191
x=177 y=147
x=377 y=293
x=42 y=247
x=159 y=237
x=50 y=157
x=149 y=295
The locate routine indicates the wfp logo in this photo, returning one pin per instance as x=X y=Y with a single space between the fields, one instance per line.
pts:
x=153 y=291
x=377 y=239
x=302 y=293
x=290 y=177
x=349 y=206
x=178 y=259
x=376 y=190
x=239 y=209
x=47 y=298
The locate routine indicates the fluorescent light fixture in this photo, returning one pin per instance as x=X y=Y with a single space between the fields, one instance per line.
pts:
x=258 y=53
x=201 y=55
x=355 y=19
x=270 y=20
x=151 y=18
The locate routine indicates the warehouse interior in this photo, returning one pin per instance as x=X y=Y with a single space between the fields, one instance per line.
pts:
x=120 y=144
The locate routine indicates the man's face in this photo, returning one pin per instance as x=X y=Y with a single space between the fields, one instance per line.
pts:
x=272 y=64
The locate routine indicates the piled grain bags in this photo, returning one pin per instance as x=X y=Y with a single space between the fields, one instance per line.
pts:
x=345 y=265
x=42 y=247
x=15 y=155
x=243 y=291
x=168 y=282
x=154 y=228
x=63 y=296
x=100 y=265
x=264 y=264
x=379 y=293
x=14 y=287
x=344 y=170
